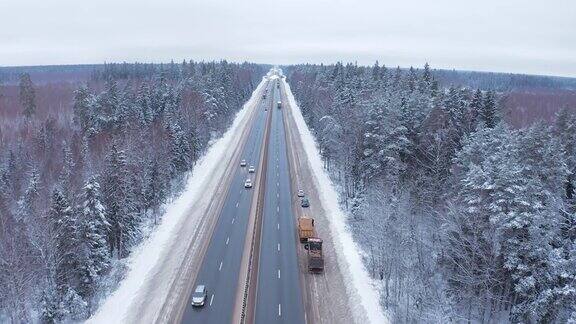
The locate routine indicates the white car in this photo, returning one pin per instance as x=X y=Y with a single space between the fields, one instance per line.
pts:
x=300 y=193
x=243 y=163
x=248 y=183
x=199 y=296
x=251 y=169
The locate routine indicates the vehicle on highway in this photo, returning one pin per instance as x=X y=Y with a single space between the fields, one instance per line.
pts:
x=305 y=202
x=279 y=104
x=306 y=229
x=251 y=169
x=315 y=257
x=248 y=183
x=199 y=296
x=243 y=163
x=300 y=193
x=264 y=96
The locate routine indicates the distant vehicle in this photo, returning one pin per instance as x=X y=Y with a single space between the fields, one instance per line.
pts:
x=251 y=169
x=248 y=183
x=243 y=163
x=199 y=296
x=305 y=202
x=279 y=104
x=315 y=257
x=300 y=193
x=278 y=85
x=306 y=229
x=264 y=96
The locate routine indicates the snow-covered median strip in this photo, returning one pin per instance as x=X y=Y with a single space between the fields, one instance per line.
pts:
x=359 y=284
x=145 y=258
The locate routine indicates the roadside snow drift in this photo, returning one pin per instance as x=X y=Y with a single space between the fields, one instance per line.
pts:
x=358 y=284
x=144 y=259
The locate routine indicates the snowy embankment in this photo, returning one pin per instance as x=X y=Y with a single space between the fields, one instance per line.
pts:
x=145 y=259
x=358 y=284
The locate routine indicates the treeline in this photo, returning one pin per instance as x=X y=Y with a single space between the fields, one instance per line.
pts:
x=504 y=81
x=462 y=218
x=79 y=190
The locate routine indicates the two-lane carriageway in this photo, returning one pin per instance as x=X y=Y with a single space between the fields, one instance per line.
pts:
x=221 y=263
x=279 y=294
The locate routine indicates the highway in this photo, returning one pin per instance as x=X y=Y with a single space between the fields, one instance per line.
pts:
x=279 y=297
x=221 y=262
x=250 y=266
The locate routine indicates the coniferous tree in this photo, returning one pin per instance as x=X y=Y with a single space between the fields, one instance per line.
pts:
x=489 y=112
x=118 y=203
x=27 y=95
x=94 y=259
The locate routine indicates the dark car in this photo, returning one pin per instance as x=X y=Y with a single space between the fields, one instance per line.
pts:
x=305 y=202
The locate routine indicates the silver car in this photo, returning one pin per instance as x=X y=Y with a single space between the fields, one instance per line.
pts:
x=199 y=296
x=248 y=184
x=243 y=163
x=251 y=169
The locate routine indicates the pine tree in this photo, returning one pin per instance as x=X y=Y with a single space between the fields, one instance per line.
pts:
x=28 y=203
x=155 y=190
x=65 y=180
x=94 y=259
x=64 y=229
x=27 y=95
x=476 y=106
x=489 y=112
x=119 y=204
x=83 y=113
x=179 y=150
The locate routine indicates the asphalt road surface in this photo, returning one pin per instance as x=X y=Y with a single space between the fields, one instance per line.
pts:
x=221 y=263
x=279 y=295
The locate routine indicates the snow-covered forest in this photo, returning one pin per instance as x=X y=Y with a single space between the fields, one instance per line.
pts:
x=83 y=177
x=461 y=216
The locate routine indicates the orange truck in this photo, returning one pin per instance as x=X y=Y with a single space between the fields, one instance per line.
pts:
x=306 y=229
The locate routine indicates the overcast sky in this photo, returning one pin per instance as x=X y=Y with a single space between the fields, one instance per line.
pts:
x=524 y=36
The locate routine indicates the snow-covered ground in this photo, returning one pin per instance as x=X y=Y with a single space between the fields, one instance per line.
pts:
x=145 y=264
x=359 y=285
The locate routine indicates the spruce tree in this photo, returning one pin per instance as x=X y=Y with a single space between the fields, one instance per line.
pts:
x=27 y=95
x=118 y=201
x=489 y=112
x=94 y=260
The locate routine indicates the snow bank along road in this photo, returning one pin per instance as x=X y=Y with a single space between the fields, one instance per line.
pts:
x=162 y=269
x=243 y=243
x=344 y=292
